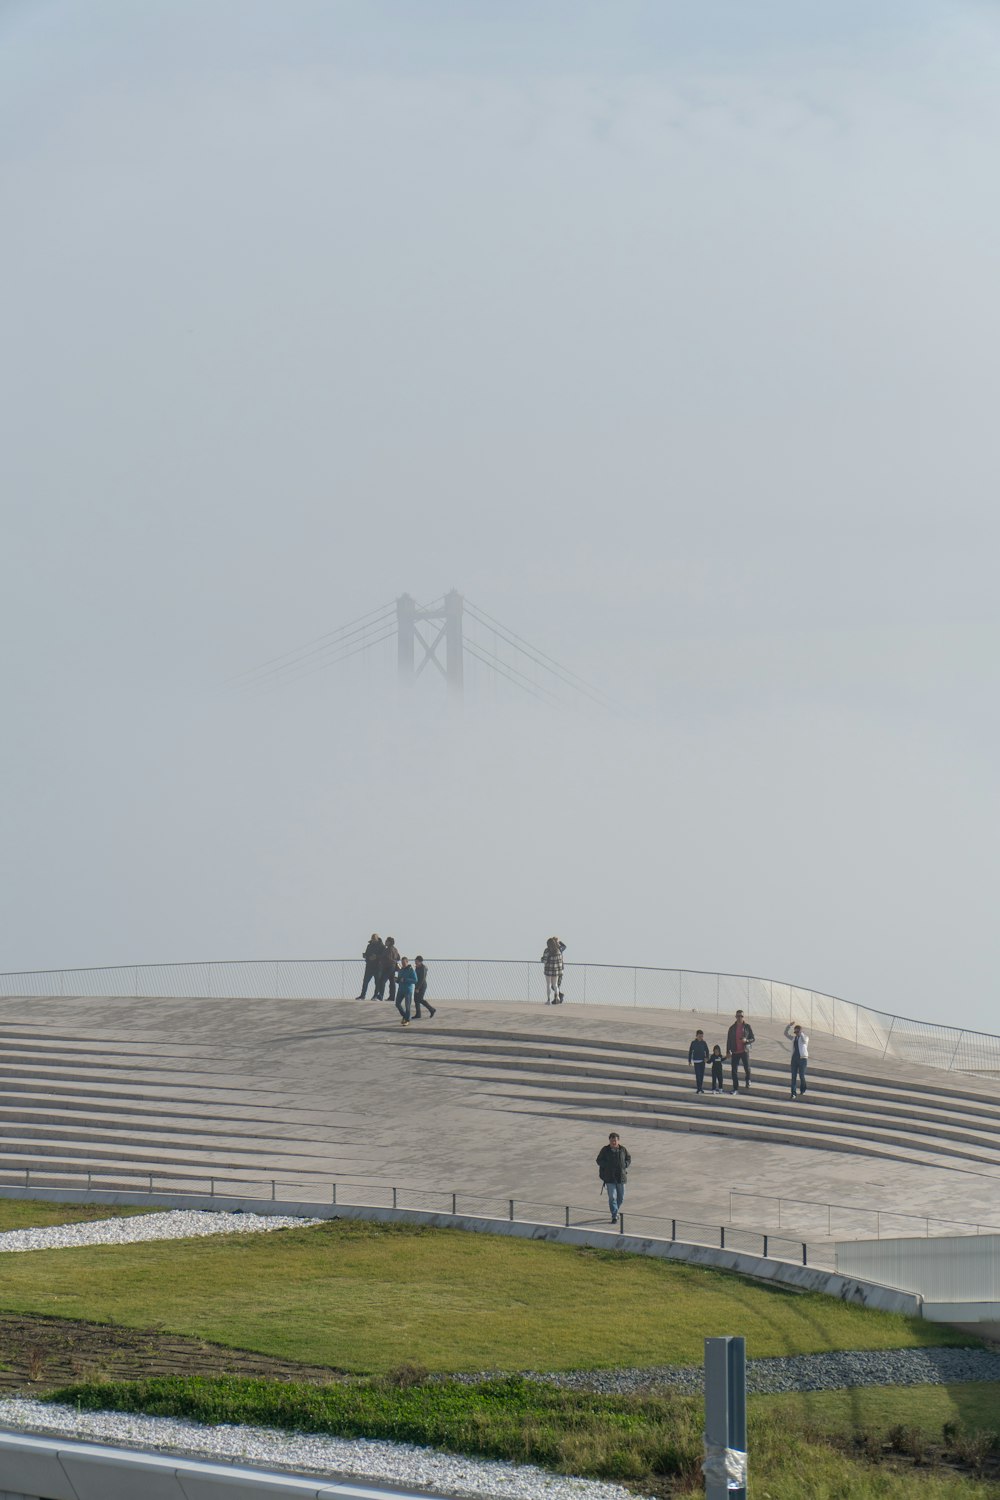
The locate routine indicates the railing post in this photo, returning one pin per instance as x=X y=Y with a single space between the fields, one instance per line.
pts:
x=511 y=1207
x=211 y=1187
x=764 y=1238
x=722 y=1236
x=151 y=1184
x=454 y=1204
x=27 y=1174
x=673 y=1230
x=804 y=1249
x=567 y=1216
x=888 y=1037
x=621 y=1222
x=333 y=1193
x=273 y=1192
x=394 y=1197
x=88 y=1182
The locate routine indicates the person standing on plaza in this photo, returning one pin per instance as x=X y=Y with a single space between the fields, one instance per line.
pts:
x=420 y=993
x=552 y=959
x=373 y=965
x=800 y=1055
x=697 y=1057
x=387 y=974
x=739 y=1040
x=613 y=1162
x=404 y=990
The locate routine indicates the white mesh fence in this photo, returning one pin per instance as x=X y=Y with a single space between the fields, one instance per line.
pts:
x=509 y=981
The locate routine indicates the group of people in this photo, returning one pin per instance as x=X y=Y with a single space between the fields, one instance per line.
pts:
x=386 y=968
x=613 y=1161
x=739 y=1040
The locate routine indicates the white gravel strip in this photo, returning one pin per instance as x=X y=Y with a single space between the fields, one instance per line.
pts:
x=332 y=1458
x=176 y=1224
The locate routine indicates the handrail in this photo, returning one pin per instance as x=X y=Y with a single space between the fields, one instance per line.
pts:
x=862 y=1208
x=455 y=1204
x=496 y=981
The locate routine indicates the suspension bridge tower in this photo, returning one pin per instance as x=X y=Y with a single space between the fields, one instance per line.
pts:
x=446 y=627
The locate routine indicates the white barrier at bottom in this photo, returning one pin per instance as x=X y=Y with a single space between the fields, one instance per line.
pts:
x=52 y=1468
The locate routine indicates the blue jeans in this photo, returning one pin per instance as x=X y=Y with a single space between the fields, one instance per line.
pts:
x=403 y=998
x=616 y=1197
x=799 y=1072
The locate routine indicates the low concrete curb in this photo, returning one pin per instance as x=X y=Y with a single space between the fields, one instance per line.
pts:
x=785 y=1273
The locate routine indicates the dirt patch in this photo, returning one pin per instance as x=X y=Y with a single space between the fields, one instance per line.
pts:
x=39 y=1353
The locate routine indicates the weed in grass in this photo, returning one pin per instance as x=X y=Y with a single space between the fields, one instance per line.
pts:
x=973 y=1449
x=909 y=1440
x=404 y=1376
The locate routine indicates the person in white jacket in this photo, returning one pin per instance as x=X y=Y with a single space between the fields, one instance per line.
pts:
x=800 y=1055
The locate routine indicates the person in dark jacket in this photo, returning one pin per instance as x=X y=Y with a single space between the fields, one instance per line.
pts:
x=739 y=1040
x=420 y=993
x=697 y=1057
x=387 y=973
x=404 y=992
x=613 y=1162
x=373 y=965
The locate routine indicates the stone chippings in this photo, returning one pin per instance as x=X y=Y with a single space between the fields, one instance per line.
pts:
x=175 y=1224
x=400 y=1464
x=841 y=1370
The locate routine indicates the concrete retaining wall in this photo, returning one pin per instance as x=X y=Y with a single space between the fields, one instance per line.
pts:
x=49 y=1468
x=785 y=1273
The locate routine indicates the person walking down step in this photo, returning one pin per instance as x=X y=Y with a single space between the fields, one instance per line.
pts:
x=387 y=974
x=552 y=959
x=373 y=955
x=800 y=1055
x=739 y=1040
x=420 y=993
x=404 y=990
x=697 y=1057
x=718 y=1082
x=613 y=1162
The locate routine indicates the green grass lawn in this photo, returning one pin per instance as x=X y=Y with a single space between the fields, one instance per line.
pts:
x=975 y=1407
x=32 y=1213
x=818 y=1449
x=368 y=1297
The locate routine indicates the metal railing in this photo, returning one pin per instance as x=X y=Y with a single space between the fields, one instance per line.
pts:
x=852 y=1218
x=499 y=981
x=664 y=1228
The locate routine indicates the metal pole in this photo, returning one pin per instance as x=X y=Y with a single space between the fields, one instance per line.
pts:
x=512 y=1210
x=725 y=1419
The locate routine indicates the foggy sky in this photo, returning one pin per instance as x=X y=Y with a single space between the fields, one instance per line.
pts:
x=665 y=332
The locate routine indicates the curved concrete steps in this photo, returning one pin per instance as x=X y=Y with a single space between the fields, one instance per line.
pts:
x=922 y=1121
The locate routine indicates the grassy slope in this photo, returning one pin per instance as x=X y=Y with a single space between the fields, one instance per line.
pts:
x=32 y=1213
x=651 y=1442
x=368 y=1297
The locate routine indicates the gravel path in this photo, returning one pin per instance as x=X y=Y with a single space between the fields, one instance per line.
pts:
x=176 y=1224
x=355 y=1458
x=801 y=1372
